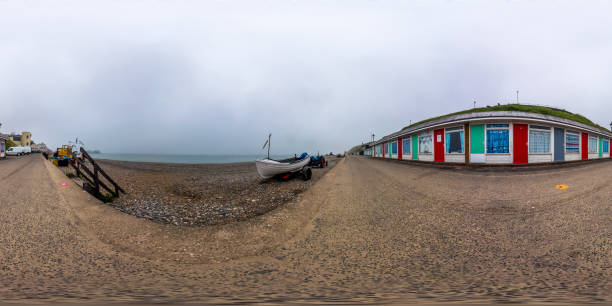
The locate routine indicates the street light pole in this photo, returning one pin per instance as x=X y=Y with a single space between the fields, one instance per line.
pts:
x=517 y=100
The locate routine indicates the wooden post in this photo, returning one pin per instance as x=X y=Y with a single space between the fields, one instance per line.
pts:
x=96 y=180
x=466 y=129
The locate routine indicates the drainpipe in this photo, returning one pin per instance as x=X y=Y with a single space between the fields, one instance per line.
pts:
x=466 y=143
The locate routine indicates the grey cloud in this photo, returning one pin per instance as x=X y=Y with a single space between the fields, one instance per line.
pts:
x=216 y=77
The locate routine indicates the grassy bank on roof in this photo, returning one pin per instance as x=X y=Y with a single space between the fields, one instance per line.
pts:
x=561 y=113
x=356 y=149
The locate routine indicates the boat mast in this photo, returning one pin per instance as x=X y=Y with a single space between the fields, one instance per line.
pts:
x=269 y=138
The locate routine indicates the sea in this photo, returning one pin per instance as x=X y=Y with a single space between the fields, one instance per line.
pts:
x=184 y=159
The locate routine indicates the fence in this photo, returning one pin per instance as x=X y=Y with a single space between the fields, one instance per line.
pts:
x=92 y=182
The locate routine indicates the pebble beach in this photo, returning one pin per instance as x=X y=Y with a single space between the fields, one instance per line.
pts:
x=201 y=194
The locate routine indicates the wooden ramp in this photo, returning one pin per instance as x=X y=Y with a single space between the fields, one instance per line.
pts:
x=95 y=180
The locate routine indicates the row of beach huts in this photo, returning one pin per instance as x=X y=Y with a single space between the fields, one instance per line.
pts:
x=495 y=137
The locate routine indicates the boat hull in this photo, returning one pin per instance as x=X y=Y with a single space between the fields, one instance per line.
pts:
x=267 y=168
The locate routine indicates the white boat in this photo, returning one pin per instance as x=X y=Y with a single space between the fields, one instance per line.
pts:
x=268 y=168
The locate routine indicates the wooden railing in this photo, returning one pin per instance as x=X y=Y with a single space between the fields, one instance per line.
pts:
x=92 y=181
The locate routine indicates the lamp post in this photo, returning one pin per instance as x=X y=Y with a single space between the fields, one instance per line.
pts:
x=517 y=100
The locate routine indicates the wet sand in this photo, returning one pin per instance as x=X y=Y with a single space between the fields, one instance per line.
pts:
x=369 y=231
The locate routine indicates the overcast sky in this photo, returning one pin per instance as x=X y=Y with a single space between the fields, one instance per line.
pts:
x=215 y=77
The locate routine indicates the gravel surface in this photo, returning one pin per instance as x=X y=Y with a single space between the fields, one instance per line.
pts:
x=202 y=194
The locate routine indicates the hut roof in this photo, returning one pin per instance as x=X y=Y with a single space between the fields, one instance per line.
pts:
x=514 y=111
x=536 y=109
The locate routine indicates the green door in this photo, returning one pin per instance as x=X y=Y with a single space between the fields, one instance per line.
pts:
x=600 y=147
x=415 y=147
x=477 y=139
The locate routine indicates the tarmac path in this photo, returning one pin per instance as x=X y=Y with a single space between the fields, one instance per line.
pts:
x=369 y=231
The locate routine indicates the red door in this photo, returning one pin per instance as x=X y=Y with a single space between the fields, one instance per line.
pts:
x=585 y=146
x=399 y=148
x=439 y=145
x=521 y=139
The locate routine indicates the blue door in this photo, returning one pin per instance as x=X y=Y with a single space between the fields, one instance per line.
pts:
x=559 y=144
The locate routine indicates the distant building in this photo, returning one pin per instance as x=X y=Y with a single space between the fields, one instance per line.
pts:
x=42 y=147
x=365 y=149
x=23 y=140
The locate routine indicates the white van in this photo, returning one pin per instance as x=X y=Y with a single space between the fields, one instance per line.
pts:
x=15 y=151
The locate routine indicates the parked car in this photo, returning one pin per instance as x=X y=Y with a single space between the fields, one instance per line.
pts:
x=15 y=151
x=27 y=150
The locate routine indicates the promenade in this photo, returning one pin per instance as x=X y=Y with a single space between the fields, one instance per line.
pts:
x=368 y=231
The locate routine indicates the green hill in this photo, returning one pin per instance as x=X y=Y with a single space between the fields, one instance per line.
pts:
x=356 y=149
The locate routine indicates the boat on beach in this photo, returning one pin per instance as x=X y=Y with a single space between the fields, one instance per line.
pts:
x=268 y=168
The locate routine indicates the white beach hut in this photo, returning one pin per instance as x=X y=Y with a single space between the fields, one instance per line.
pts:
x=2 y=146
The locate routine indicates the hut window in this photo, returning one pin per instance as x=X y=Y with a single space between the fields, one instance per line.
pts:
x=572 y=143
x=539 y=139
x=606 y=146
x=406 y=145
x=455 y=142
x=498 y=139
x=394 y=147
x=492 y=126
x=425 y=144
x=379 y=150
x=593 y=142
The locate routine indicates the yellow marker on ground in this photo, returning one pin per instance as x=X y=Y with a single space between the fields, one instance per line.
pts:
x=561 y=187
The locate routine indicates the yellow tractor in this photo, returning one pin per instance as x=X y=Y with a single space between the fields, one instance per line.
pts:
x=63 y=155
x=65 y=152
